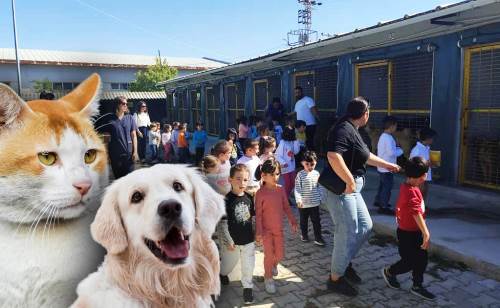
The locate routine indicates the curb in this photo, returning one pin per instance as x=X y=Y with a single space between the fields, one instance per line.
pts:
x=479 y=266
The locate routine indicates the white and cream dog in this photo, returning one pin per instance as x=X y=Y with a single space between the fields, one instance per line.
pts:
x=156 y=225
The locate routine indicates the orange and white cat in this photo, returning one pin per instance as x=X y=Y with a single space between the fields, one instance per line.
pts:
x=53 y=170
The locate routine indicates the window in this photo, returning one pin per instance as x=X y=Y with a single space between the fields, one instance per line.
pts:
x=196 y=106
x=182 y=107
x=480 y=146
x=213 y=112
x=260 y=98
x=170 y=108
x=401 y=87
x=119 y=86
x=235 y=98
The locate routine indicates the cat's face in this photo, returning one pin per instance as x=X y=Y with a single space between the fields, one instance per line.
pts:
x=52 y=163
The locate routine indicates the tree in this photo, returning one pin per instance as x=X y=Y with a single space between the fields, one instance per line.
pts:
x=146 y=80
x=42 y=85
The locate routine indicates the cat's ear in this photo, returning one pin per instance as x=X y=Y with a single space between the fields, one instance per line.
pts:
x=107 y=228
x=11 y=106
x=84 y=99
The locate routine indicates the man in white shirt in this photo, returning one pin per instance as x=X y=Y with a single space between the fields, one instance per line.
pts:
x=388 y=151
x=306 y=110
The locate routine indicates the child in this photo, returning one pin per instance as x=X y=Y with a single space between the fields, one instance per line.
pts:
x=271 y=204
x=166 y=137
x=219 y=178
x=388 y=151
x=236 y=152
x=263 y=131
x=252 y=125
x=285 y=154
x=243 y=129
x=183 y=144
x=175 y=135
x=267 y=147
x=199 y=140
x=154 y=141
x=300 y=133
x=252 y=161
x=239 y=223
x=422 y=148
x=278 y=131
x=308 y=197
x=413 y=235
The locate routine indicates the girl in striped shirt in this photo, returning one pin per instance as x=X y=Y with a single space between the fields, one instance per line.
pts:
x=308 y=195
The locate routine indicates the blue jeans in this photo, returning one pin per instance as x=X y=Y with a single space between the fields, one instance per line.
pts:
x=352 y=226
x=384 y=189
x=154 y=151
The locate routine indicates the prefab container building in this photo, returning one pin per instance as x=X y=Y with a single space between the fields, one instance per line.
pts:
x=439 y=68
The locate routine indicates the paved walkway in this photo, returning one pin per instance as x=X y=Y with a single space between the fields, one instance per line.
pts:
x=303 y=273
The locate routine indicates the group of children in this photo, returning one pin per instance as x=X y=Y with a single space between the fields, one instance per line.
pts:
x=412 y=232
x=246 y=168
x=248 y=172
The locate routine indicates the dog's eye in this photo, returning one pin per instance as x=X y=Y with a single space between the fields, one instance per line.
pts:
x=137 y=197
x=178 y=186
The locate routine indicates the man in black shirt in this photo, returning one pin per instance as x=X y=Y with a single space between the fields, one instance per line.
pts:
x=239 y=231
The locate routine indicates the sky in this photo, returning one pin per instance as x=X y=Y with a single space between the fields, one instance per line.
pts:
x=229 y=30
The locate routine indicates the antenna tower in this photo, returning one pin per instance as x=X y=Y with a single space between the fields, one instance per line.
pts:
x=304 y=34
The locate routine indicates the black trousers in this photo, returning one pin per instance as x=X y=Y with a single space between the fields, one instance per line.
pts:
x=312 y=212
x=413 y=258
x=183 y=155
x=121 y=165
x=198 y=155
x=310 y=132
x=143 y=142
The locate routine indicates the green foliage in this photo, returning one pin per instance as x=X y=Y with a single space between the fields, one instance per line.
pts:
x=41 y=85
x=146 y=80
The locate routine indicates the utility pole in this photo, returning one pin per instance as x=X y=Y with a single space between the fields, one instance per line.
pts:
x=304 y=34
x=17 y=52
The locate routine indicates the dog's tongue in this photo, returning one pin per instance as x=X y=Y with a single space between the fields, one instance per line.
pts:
x=175 y=247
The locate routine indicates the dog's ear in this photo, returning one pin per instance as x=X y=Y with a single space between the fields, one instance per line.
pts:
x=107 y=228
x=209 y=204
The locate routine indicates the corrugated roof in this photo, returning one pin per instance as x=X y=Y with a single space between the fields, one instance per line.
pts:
x=57 y=57
x=110 y=95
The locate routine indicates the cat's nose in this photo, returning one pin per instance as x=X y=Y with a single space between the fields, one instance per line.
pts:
x=82 y=187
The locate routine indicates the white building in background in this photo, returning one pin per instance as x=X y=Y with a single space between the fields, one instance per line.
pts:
x=66 y=69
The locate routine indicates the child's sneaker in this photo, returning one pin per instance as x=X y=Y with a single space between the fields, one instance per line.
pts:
x=275 y=271
x=247 y=296
x=319 y=242
x=270 y=287
x=391 y=280
x=304 y=238
x=422 y=292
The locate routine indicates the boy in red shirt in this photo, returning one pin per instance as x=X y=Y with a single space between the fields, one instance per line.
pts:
x=413 y=235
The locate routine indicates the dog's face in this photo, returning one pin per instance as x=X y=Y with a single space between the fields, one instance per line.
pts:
x=157 y=210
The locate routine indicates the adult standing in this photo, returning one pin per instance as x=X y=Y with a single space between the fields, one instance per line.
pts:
x=305 y=109
x=347 y=157
x=143 y=122
x=122 y=147
x=275 y=111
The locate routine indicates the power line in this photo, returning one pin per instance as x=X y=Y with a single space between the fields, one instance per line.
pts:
x=158 y=35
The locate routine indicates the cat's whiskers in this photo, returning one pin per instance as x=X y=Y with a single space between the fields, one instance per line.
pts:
x=47 y=221
x=24 y=216
x=42 y=213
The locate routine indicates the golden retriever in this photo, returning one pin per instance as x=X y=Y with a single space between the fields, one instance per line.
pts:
x=156 y=225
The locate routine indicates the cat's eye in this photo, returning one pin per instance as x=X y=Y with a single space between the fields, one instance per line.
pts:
x=178 y=186
x=47 y=158
x=90 y=156
x=137 y=197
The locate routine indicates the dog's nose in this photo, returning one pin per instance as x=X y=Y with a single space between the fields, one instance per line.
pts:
x=169 y=209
